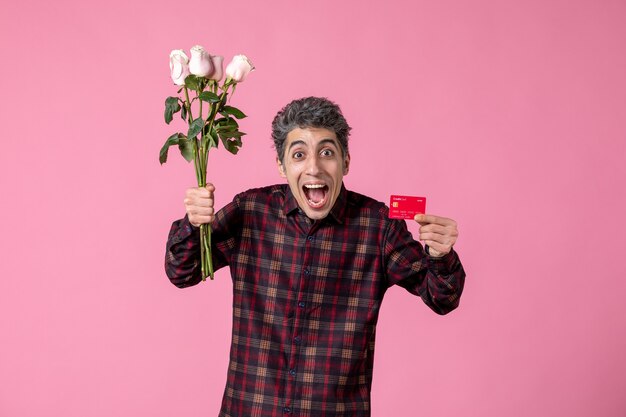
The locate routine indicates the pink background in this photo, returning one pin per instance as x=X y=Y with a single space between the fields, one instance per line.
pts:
x=509 y=116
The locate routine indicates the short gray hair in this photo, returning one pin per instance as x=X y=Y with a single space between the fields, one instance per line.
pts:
x=306 y=112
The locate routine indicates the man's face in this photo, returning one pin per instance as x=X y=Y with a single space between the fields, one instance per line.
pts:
x=314 y=166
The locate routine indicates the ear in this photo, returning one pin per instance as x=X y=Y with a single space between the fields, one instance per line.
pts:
x=346 y=164
x=281 y=168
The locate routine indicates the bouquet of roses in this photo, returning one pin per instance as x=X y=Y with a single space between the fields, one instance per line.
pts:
x=210 y=120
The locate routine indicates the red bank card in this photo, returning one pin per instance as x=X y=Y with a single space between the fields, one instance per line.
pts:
x=406 y=207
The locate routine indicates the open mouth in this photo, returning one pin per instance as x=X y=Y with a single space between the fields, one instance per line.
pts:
x=315 y=194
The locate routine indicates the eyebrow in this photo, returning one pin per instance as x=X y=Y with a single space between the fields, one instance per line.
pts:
x=322 y=142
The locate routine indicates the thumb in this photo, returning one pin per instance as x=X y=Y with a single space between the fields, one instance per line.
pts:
x=421 y=219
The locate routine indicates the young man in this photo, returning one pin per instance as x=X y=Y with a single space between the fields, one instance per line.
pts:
x=310 y=262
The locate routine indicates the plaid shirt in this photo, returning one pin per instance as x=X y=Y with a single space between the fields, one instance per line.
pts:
x=306 y=297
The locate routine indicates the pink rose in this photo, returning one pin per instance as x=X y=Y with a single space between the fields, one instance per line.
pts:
x=239 y=68
x=218 y=67
x=179 y=68
x=200 y=62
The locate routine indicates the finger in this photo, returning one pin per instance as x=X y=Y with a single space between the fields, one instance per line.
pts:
x=191 y=202
x=443 y=234
x=200 y=211
x=441 y=239
x=434 y=228
x=431 y=218
x=200 y=192
x=203 y=192
x=442 y=249
x=193 y=194
x=198 y=220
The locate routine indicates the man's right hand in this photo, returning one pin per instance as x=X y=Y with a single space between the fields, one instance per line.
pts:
x=199 y=205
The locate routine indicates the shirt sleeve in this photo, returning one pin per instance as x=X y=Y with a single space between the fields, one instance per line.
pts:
x=438 y=281
x=182 y=254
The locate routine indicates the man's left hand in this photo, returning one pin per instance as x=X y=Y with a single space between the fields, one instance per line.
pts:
x=439 y=233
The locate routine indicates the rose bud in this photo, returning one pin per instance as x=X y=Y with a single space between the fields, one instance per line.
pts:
x=239 y=68
x=218 y=67
x=179 y=68
x=200 y=62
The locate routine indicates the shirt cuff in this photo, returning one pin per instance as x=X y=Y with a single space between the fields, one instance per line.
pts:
x=444 y=264
x=186 y=231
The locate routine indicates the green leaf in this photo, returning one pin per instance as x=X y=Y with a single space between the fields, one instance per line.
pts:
x=215 y=141
x=196 y=83
x=209 y=97
x=203 y=81
x=232 y=144
x=227 y=134
x=205 y=130
x=232 y=111
x=172 y=140
x=211 y=140
x=171 y=106
x=226 y=124
x=192 y=82
x=195 y=127
x=187 y=150
x=183 y=113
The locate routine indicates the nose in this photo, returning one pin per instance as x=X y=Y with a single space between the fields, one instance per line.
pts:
x=312 y=167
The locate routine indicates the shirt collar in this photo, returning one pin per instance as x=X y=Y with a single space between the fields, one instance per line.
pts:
x=290 y=205
x=336 y=213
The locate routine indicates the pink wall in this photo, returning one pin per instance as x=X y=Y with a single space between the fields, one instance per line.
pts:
x=509 y=116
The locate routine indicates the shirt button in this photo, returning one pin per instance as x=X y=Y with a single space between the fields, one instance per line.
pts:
x=310 y=238
x=292 y=372
x=306 y=271
x=297 y=339
x=301 y=304
x=287 y=410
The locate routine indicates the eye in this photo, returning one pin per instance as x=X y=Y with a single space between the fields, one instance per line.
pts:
x=298 y=155
x=327 y=152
